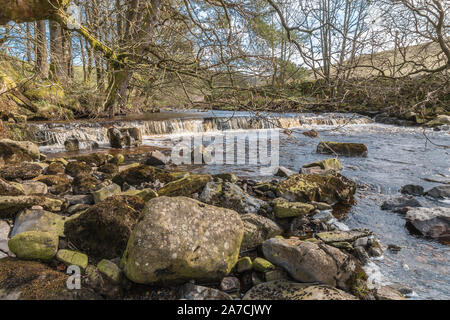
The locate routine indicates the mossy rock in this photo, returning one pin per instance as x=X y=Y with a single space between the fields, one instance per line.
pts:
x=329 y=188
x=262 y=265
x=85 y=184
x=97 y=159
x=110 y=270
x=39 y=220
x=55 y=168
x=69 y=258
x=24 y=171
x=57 y=183
x=343 y=149
x=328 y=164
x=76 y=168
x=34 y=245
x=10 y=189
x=244 y=264
x=143 y=174
x=285 y=209
x=16 y=152
x=145 y=194
x=106 y=192
x=11 y=205
x=185 y=186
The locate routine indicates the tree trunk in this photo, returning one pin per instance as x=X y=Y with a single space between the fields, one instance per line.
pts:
x=41 y=64
x=56 y=52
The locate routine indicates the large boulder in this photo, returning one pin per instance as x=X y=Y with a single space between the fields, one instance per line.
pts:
x=30 y=280
x=186 y=186
x=135 y=176
x=231 y=196
x=39 y=220
x=179 y=239
x=24 y=171
x=329 y=188
x=309 y=262
x=103 y=230
x=34 y=245
x=17 y=151
x=342 y=149
x=285 y=290
x=10 y=205
x=430 y=222
x=258 y=229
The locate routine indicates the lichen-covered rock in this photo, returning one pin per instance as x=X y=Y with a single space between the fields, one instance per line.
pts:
x=258 y=229
x=8 y=189
x=34 y=245
x=310 y=262
x=24 y=171
x=39 y=220
x=262 y=265
x=328 y=164
x=186 y=186
x=329 y=188
x=244 y=264
x=231 y=196
x=55 y=168
x=110 y=270
x=103 y=230
x=34 y=188
x=30 y=280
x=74 y=258
x=57 y=183
x=145 y=194
x=106 y=192
x=135 y=176
x=85 y=184
x=93 y=159
x=343 y=236
x=76 y=168
x=285 y=290
x=229 y=177
x=109 y=168
x=286 y=209
x=10 y=205
x=430 y=222
x=12 y=152
x=178 y=239
x=342 y=149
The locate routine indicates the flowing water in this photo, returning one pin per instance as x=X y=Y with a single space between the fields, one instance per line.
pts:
x=397 y=156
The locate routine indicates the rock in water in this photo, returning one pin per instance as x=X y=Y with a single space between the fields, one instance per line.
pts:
x=178 y=239
x=143 y=174
x=343 y=149
x=430 y=222
x=72 y=144
x=309 y=262
x=439 y=192
x=17 y=151
x=400 y=202
x=412 y=189
x=329 y=188
x=328 y=164
x=104 y=229
x=156 y=158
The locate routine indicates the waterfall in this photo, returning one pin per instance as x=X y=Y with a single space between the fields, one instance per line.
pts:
x=51 y=136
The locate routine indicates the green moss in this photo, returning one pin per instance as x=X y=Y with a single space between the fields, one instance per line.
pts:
x=328 y=164
x=69 y=258
x=185 y=186
x=34 y=245
x=244 y=264
x=262 y=265
x=285 y=209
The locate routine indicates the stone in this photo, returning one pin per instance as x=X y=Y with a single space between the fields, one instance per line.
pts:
x=145 y=194
x=193 y=292
x=103 y=230
x=342 y=149
x=230 y=284
x=329 y=188
x=34 y=245
x=328 y=164
x=69 y=258
x=228 y=177
x=401 y=288
x=309 y=262
x=31 y=280
x=323 y=216
x=79 y=199
x=413 y=190
x=55 y=168
x=312 y=170
x=39 y=220
x=10 y=205
x=231 y=196
x=57 y=183
x=77 y=208
x=387 y=293
x=400 y=202
x=8 y=189
x=110 y=270
x=109 y=169
x=75 y=168
x=257 y=229
x=362 y=255
x=430 y=222
x=185 y=186
x=106 y=192
x=262 y=265
x=285 y=290
x=178 y=239
x=440 y=120
x=343 y=236
x=4 y=236
x=127 y=137
x=139 y=174
x=284 y=172
x=24 y=171
x=34 y=188
x=244 y=264
x=12 y=152
x=439 y=192
x=276 y=274
x=93 y=159
x=85 y=184
x=321 y=206
x=285 y=209
x=156 y=158
x=118 y=159
x=72 y=144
